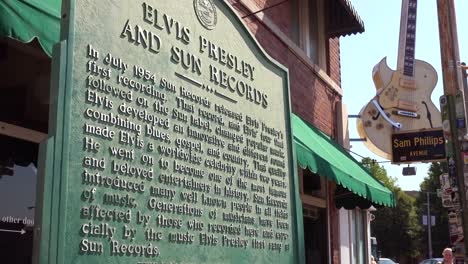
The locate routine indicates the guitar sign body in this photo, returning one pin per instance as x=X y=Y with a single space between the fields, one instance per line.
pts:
x=403 y=99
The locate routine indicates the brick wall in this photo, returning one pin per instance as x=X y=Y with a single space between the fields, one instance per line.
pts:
x=311 y=99
x=334 y=65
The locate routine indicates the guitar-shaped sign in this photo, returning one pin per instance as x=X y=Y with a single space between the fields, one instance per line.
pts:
x=403 y=101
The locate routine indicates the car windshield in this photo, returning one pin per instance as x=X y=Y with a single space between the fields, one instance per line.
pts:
x=431 y=261
x=386 y=261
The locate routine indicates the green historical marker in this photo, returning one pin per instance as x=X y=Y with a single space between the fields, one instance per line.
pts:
x=170 y=140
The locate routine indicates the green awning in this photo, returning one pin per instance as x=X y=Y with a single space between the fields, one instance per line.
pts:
x=25 y=20
x=322 y=155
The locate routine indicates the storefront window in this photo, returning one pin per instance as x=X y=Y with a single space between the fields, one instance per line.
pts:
x=358 y=236
x=354 y=236
x=313 y=184
x=17 y=193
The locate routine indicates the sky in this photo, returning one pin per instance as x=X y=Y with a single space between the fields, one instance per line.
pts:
x=361 y=52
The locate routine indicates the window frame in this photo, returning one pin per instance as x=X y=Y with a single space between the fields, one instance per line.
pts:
x=305 y=12
x=319 y=201
x=358 y=238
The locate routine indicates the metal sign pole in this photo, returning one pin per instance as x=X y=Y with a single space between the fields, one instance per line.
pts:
x=429 y=235
x=452 y=89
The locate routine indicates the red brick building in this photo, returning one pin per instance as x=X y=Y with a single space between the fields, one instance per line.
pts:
x=304 y=36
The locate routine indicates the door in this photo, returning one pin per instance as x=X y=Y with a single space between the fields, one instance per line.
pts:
x=315 y=236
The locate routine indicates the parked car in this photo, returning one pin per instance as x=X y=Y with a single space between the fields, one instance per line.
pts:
x=431 y=261
x=386 y=261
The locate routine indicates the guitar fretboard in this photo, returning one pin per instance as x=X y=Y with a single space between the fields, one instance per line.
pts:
x=410 y=39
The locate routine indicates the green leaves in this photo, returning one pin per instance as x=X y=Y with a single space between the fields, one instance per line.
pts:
x=439 y=232
x=397 y=229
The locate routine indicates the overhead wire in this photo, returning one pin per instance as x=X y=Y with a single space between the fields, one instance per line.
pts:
x=362 y=157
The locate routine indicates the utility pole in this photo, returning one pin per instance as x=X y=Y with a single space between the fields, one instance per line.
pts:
x=453 y=87
x=429 y=235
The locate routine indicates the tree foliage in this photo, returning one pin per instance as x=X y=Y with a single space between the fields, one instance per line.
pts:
x=439 y=232
x=396 y=229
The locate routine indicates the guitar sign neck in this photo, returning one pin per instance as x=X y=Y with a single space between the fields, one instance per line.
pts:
x=406 y=49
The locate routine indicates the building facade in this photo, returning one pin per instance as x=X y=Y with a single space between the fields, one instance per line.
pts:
x=302 y=35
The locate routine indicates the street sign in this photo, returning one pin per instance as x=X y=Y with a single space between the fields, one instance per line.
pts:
x=444 y=181
x=418 y=146
x=409 y=171
x=447 y=201
x=424 y=220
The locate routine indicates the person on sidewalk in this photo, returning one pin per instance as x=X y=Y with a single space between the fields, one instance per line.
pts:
x=448 y=256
